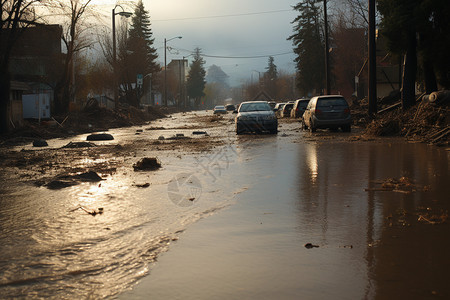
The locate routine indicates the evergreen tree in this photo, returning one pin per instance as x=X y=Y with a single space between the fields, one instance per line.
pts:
x=195 y=83
x=141 y=58
x=308 y=44
x=418 y=28
x=270 y=77
x=271 y=68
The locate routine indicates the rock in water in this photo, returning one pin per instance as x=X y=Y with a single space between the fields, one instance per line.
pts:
x=40 y=143
x=147 y=164
x=100 y=137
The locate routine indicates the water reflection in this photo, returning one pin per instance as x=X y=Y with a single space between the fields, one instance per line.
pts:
x=311 y=158
x=383 y=228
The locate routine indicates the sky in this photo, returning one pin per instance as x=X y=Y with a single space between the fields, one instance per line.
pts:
x=225 y=28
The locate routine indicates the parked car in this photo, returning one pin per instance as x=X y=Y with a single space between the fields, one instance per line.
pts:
x=220 y=109
x=299 y=108
x=272 y=104
x=278 y=109
x=256 y=116
x=230 y=107
x=327 y=112
x=286 y=112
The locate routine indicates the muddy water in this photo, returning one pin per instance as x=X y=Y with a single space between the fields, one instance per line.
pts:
x=368 y=242
x=260 y=199
x=51 y=247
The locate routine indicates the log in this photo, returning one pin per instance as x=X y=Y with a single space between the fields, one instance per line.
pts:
x=439 y=96
x=389 y=108
x=440 y=137
x=439 y=132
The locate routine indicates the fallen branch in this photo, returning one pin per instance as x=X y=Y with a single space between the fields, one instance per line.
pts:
x=91 y=212
x=441 y=136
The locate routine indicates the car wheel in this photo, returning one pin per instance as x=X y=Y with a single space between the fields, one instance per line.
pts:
x=239 y=130
x=346 y=128
x=311 y=127
x=273 y=131
x=304 y=127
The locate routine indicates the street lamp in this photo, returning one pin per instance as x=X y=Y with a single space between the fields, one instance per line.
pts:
x=150 y=84
x=165 y=67
x=125 y=14
x=259 y=76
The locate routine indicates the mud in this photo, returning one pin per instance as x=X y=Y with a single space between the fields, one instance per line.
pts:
x=90 y=119
x=57 y=168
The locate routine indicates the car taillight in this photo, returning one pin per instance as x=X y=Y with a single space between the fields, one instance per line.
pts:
x=347 y=111
x=318 y=111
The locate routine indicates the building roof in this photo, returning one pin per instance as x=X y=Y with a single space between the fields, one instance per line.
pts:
x=19 y=86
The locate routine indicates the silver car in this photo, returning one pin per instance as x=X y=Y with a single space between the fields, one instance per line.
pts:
x=327 y=112
x=256 y=116
x=219 y=109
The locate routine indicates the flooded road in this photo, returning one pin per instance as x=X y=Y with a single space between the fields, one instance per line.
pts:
x=236 y=220
x=367 y=242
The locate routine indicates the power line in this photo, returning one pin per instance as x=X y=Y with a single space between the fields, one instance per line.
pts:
x=224 y=16
x=245 y=57
x=233 y=57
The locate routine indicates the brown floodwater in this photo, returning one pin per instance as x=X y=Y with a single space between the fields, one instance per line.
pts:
x=369 y=240
x=236 y=221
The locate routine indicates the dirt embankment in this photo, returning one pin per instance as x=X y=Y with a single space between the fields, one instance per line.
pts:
x=425 y=122
x=92 y=118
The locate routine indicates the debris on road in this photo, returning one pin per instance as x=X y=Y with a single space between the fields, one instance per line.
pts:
x=310 y=246
x=199 y=132
x=216 y=118
x=63 y=181
x=40 y=143
x=147 y=164
x=428 y=121
x=88 y=176
x=178 y=136
x=144 y=185
x=92 y=118
x=59 y=184
x=401 y=185
x=92 y=212
x=433 y=219
x=100 y=137
x=79 y=145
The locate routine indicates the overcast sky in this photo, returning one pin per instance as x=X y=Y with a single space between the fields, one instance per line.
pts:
x=229 y=28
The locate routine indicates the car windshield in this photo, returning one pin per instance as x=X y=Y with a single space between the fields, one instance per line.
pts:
x=220 y=107
x=331 y=102
x=246 y=107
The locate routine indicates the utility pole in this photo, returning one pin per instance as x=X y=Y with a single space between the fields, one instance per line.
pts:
x=181 y=86
x=165 y=67
x=327 y=53
x=372 y=61
x=165 y=72
x=116 y=96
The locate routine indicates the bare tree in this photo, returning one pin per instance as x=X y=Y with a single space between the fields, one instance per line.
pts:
x=75 y=14
x=359 y=10
x=106 y=45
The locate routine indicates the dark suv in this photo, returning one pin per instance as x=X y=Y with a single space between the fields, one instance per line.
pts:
x=327 y=112
x=299 y=108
